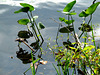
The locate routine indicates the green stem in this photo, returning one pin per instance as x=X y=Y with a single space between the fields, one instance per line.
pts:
x=33 y=69
x=27 y=70
x=33 y=27
x=90 y=19
x=37 y=29
x=93 y=38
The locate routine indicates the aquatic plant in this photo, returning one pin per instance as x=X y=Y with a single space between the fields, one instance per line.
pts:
x=76 y=57
x=33 y=31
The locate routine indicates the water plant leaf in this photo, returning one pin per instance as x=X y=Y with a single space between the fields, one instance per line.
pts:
x=85 y=27
x=83 y=14
x=35 y=45
x=56 y=69
x=92 y=8
x=24 y=34
x=69 y=6
x=36 y=60
x=61 y=19
x=66 y=29
x=25 y=9
x=68 y=21
x=23 y=21
x=31 y=8
x=41 y=26
x=70 y=13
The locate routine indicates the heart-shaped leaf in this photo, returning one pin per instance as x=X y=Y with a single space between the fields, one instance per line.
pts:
x=69 y=6
x=68 y=21
x=24 y=34
x=92 y=8
x=31 y=8
x=25 y=9
x=83 y=14
x=23 y=21
x=35 y=45
x=41 y=26
x=66 y=29
x=61 y=19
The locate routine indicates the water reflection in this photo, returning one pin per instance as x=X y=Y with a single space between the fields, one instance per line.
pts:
x=9 y=29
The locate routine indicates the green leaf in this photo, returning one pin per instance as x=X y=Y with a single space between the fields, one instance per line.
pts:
x=25 y=9
x=56 y=69
x=69 y=6
x=23 y=21
x=70 y=13
x=61 y=19
x=36 y=60
x=35 y=45
x=66 y=29
x=31 y=8
x=41 y=26
x=68 y=21
x=89 y=11
x=83 y=14
x=24 y=34
x=92 y=8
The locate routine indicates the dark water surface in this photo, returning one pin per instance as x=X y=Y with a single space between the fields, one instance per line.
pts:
x=9 y=28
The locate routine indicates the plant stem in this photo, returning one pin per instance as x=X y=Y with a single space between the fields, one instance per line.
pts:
x=93 y=38
x=32 y=25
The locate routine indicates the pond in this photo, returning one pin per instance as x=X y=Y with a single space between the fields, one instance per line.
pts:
x=9 y=28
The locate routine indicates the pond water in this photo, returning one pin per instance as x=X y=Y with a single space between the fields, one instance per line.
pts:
x=9 y=27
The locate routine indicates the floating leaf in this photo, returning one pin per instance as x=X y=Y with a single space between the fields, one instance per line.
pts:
x=23 y=21
x=24 y=34
x=66 y=29
x=31 y=8
x=25 y=9
x=69 y=6
x=41 y=26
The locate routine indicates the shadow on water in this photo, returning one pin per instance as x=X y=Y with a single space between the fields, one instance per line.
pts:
x=9 y=29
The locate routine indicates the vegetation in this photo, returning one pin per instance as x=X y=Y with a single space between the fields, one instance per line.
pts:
x=80 y=58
